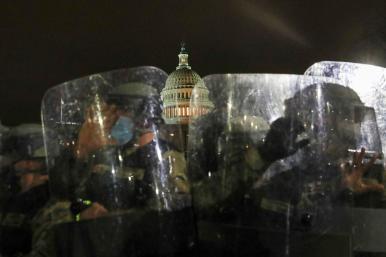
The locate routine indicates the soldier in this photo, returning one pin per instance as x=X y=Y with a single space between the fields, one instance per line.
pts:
x=297 y=172
x=303 y=188
x=128 y=142
x=20 y=208
x=238 y=165
x=117 y=166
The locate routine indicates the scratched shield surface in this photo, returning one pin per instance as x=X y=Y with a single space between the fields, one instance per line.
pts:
x=112 y=159
x=368 y=81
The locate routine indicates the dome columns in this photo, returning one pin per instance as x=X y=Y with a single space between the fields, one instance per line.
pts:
x=182 y=86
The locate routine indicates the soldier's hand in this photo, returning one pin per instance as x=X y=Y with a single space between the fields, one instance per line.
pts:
x=281 y=139
x=96 y=210
x=353 y=174
x=95 y=131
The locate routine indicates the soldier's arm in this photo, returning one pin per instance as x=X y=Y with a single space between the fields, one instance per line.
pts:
x=94 y=133
x=178 y=170
x=352 y=174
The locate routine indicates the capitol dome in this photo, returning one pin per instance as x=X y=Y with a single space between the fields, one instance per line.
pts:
x=178 y=93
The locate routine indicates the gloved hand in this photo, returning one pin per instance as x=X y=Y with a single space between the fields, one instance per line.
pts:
x=96 y=210
x=280 y=140
x=353 y=174
x=95 y=131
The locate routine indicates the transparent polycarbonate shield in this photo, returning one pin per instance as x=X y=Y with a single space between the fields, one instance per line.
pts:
x=368 y=81
x=272 y=161
x=64 y=106
x=115 y=168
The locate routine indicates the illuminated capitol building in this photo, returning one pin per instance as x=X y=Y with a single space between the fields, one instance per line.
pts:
x=185 y=95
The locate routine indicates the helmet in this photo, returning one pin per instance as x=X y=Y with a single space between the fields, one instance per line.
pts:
x=324 y=98
x=143 y=100
x=333 y=118
x=27 y=143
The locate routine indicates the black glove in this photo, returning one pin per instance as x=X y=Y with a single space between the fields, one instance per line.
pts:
x=280 y=140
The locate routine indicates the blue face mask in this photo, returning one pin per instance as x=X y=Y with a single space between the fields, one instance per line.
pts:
x=122 y=130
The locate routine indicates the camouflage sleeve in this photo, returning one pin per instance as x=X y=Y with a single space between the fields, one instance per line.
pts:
x=178 y=170
x=43 y=236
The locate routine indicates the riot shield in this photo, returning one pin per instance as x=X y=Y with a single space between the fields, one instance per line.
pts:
x=266 y=166
x=369 y=82
x=125 y=186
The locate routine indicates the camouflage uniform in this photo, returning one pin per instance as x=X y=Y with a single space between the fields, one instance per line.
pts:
x=141 y=173
x=223 y=192
x=54 y=212
x=137 y=178
x=16 y=219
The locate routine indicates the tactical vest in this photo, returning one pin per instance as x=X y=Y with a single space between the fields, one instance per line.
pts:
x=136 y=178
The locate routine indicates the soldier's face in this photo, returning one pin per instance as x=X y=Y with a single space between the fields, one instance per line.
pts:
x=336 y=134
x=27 y=175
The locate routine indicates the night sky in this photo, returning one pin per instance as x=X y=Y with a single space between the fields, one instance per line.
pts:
x=46 y=43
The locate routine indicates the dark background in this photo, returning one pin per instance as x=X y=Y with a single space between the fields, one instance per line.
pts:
x=46 y=43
